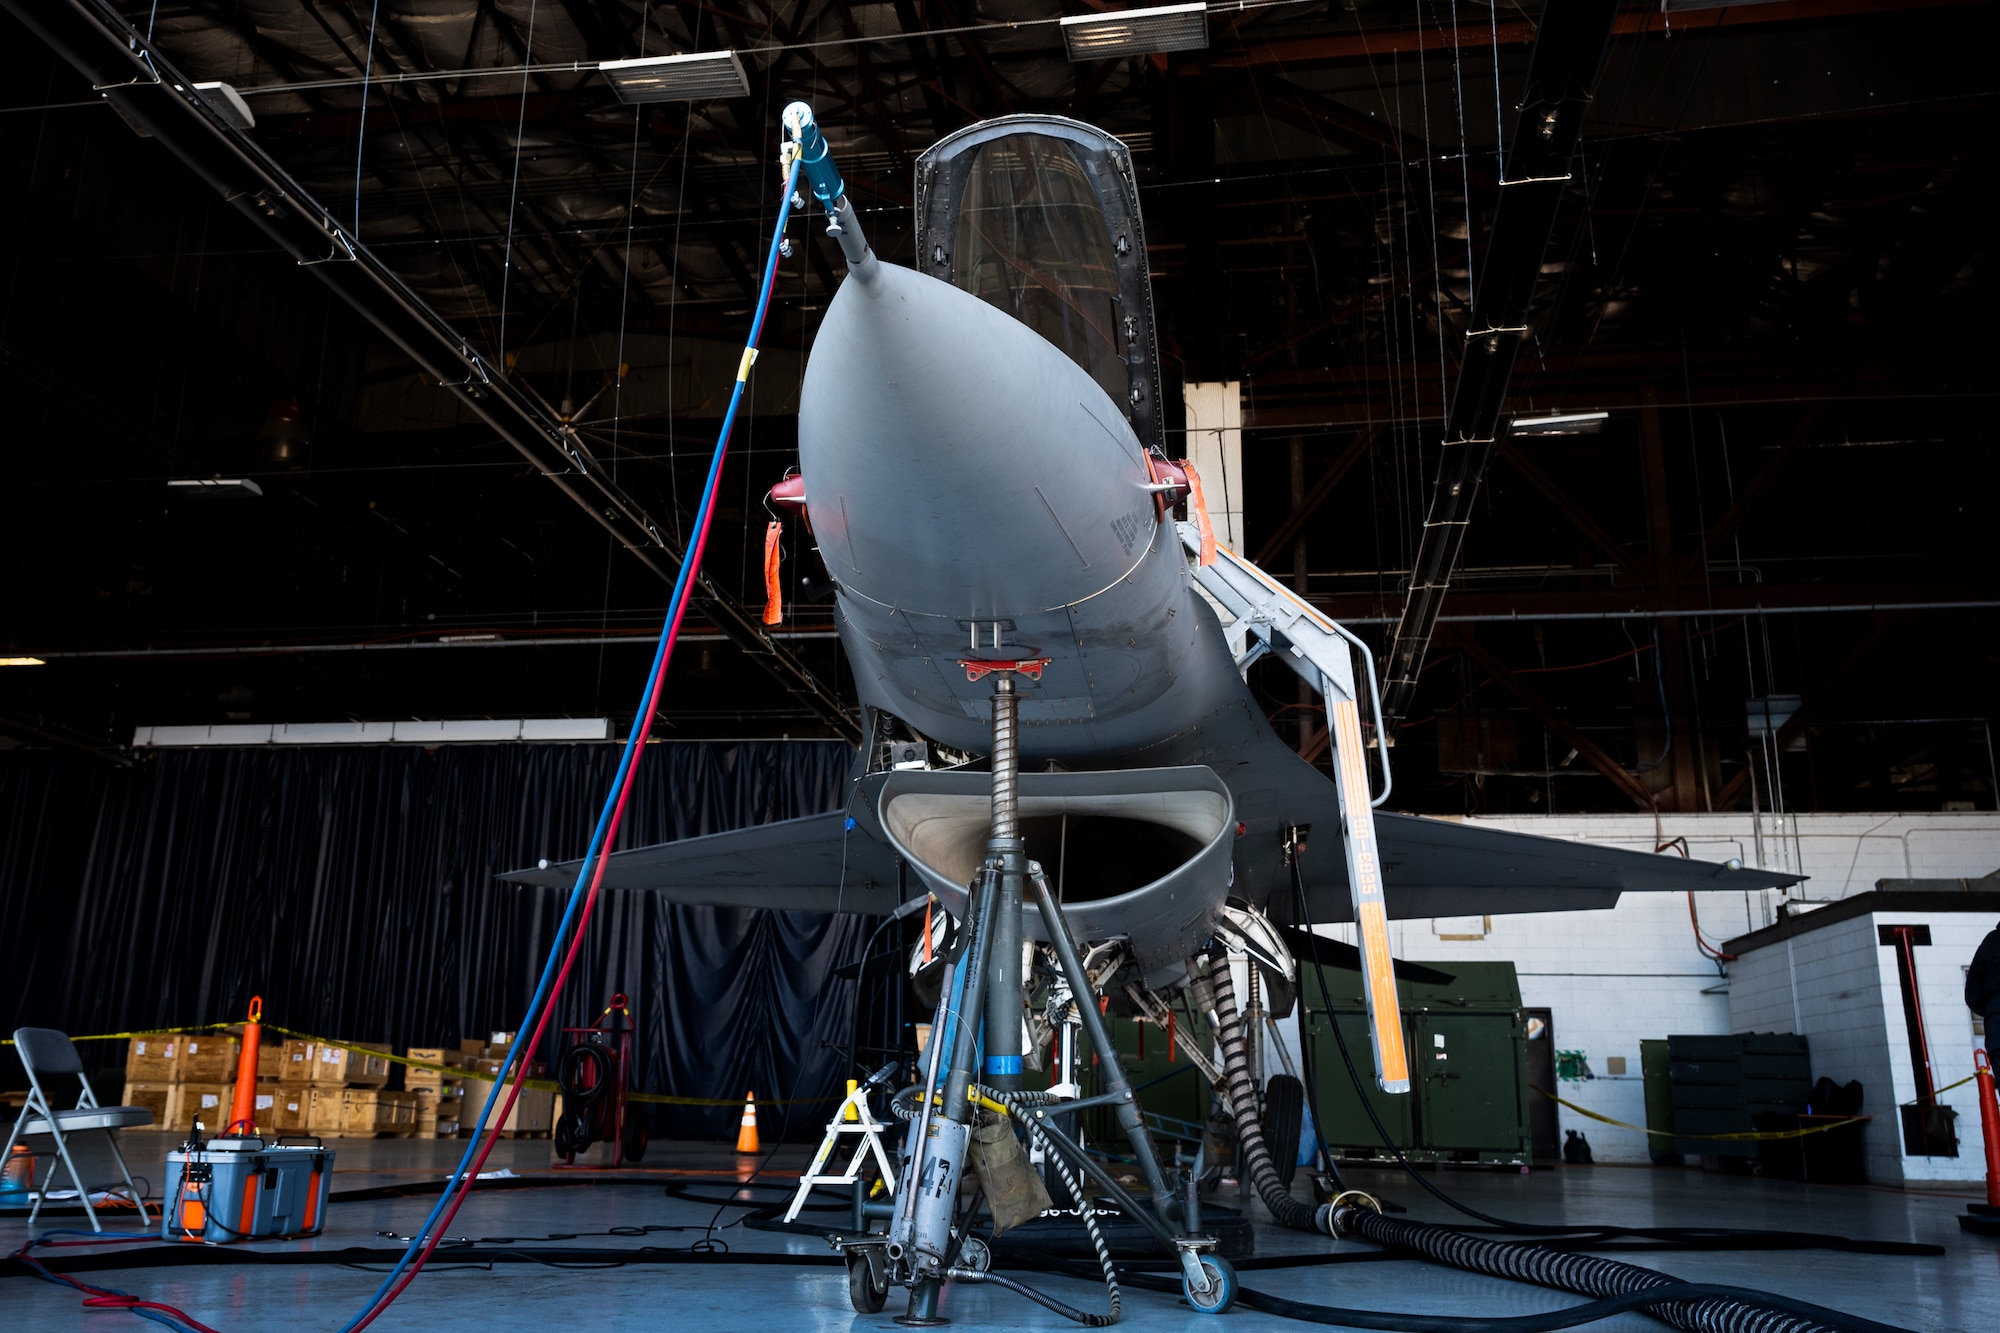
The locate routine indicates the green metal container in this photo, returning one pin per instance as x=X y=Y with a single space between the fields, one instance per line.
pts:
x=1468 y=1044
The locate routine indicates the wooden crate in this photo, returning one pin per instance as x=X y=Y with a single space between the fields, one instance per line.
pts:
x=208 y=1057
x=533 y=1114
x=375 y=1112
x=324 y=1111
x=264 y=1108
x=153 y=1096
x=153 y=1059
x=344 y=1068
x=296 y=1061
x=291 y=1107
x=207 y=1102
x=430 y=1078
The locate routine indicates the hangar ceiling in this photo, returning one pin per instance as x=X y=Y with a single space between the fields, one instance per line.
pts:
x=1773 y=271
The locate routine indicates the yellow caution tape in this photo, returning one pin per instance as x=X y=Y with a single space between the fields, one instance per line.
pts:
x=1946 y=1088
x=148 y=1032
x=1747 y=1136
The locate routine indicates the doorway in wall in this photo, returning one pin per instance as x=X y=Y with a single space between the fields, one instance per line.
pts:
x=1543 y=1128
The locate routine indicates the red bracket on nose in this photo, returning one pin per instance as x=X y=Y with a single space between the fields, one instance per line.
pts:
x=1029 y=667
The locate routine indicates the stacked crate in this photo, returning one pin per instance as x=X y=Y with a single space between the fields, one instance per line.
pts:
x=183 y=1078
x=534 y=1111
x=336 y=1092
x=440 y=1096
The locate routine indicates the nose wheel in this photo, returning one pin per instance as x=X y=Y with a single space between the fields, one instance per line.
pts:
x=1221 y=1294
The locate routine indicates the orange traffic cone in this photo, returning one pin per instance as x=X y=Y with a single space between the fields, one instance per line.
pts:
x=746 y=1136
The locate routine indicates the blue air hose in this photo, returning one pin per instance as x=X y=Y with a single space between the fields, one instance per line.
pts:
x=641 y=725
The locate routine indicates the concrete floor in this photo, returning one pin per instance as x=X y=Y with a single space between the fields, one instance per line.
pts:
x=1958 y=1291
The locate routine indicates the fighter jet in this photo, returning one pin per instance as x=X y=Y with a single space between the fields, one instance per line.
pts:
x=982 y=466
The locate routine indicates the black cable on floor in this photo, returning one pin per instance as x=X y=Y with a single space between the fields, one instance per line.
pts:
x=1568 y=1317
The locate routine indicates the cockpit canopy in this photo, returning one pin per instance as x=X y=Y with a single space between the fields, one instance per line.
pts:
x=1039 y=216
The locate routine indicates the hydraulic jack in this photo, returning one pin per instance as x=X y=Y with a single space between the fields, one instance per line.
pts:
x=973 y=1064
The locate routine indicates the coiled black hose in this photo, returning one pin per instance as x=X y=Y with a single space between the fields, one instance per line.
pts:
x=1254 y=1153
x=1593 y=1275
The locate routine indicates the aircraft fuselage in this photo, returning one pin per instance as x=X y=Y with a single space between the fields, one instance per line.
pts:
x=977 y=497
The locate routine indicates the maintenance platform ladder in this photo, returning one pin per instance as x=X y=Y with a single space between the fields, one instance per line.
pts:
x=852 y=1117
x=1271 y=618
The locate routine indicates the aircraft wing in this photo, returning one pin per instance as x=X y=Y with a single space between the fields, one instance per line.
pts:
x=1439 y=867
x=815 y=864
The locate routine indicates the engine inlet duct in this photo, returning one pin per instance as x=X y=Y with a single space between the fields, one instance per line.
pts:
x=1142 y=853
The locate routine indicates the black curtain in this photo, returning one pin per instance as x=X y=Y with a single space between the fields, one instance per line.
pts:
x=354 y=889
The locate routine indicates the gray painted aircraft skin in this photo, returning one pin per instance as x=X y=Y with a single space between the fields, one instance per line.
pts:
x=977 y=496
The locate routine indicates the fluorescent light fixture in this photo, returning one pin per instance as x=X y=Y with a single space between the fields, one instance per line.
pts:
x=1572 y=423
x=226 y=102
x=476 y=731
x=695 y=77
x=1136 y=32
x=216 y=486
x=22 y=661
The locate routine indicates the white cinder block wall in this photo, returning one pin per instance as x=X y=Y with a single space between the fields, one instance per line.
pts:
x=1611 y=978
x=1819 y=984
x=1838 y=986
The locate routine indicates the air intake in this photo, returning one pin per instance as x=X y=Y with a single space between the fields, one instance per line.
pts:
x=1143 y=853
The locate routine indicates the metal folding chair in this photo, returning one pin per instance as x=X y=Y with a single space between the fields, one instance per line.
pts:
x=43 y=1052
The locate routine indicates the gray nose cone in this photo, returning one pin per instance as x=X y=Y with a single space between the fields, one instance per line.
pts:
x=957 y=463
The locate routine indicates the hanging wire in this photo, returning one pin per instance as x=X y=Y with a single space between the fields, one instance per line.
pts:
x=673 y=302
x=1499 y=133
x=1465 y=153
x=361 y=127
x=625 y=270
x=514 y=192
x=1430 y=188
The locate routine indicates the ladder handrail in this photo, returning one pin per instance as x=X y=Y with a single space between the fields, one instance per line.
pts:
x=1216 y=584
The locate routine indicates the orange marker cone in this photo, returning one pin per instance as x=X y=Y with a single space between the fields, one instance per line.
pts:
x=746 y=1136
x=243 y=1105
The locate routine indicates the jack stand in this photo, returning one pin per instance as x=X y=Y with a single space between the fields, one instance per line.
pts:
x=976 y=1042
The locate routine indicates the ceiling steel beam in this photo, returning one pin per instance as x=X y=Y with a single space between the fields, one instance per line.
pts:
x=1579 y=517
x=1591 y=752
x=148 y=89
x=1768 y=599
x=1356 y=450
x=1568 y=56
x=1808 y=710
x=1726 y=526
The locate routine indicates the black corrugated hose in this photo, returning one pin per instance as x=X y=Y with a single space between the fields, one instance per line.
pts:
x=1592 y=1275
x=1254 y=1155
x=904 y=1108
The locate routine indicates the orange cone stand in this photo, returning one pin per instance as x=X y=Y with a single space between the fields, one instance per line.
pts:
x=1985 y=1219
x=243 y=1106
x=746 y=1137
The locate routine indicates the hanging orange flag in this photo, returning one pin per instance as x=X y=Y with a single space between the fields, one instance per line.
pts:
x=1198 y=511
x=774 y=598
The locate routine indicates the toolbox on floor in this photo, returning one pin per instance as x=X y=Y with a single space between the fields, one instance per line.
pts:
x=242 y=1189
